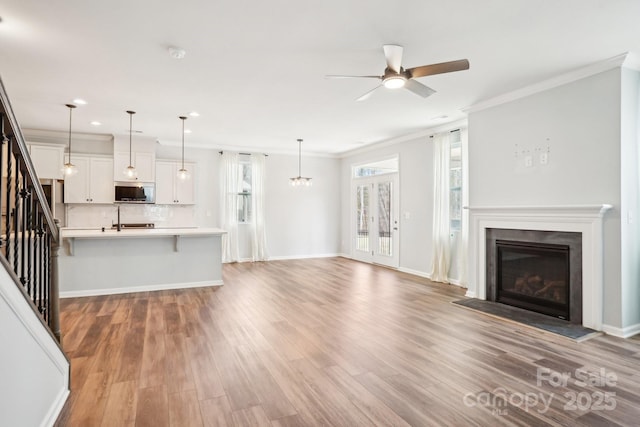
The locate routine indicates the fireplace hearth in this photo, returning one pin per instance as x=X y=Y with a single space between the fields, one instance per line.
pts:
x=535 y=270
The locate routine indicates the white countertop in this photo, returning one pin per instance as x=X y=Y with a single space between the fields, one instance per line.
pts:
x=96 y=233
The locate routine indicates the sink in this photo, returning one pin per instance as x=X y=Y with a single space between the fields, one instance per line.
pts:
x=134 y=225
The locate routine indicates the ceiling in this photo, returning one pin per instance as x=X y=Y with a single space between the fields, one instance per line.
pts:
x=255 y=71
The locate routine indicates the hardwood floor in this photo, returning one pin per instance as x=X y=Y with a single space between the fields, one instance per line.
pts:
x=331 y=342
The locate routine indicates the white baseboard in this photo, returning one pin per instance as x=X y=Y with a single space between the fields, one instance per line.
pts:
x=415 y=272
x=56 y=408
x=457 y=283
x=626 y=332
x=286 y=257
x=145 y=288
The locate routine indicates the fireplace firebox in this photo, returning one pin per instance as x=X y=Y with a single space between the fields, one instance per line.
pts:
x=536 y=270
x=534 y=276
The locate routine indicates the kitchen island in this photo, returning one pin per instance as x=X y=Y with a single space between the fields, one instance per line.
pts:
x=97 y=262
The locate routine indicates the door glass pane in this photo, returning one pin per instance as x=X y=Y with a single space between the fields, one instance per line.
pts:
x=384 y=218
x=362 y=218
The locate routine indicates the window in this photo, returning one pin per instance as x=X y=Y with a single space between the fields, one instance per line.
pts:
x=455 y=181
x=376 y=168
x=244 y=196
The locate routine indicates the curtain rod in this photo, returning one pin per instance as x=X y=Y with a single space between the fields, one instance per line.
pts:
x=451 y=131
x=247 y=154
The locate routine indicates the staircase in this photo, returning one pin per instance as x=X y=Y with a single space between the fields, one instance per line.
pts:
x=34 y=371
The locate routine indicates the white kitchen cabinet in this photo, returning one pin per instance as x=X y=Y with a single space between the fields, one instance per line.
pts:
x=171 y=190
x=48 y=160
x=143 y=161
x=93 y=183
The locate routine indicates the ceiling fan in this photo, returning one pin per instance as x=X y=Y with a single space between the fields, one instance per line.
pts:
x=395 y=76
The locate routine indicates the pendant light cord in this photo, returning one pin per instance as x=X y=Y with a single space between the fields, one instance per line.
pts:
x=130 y=130
x=299 y=158
x=71 y=107
x=70 y=113
x=183 y=118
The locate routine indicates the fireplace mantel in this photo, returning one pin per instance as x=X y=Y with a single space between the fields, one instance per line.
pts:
x=585 y=219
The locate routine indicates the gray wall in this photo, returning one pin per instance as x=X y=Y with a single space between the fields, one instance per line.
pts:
x=416 y=199
x=630 y=204
x=580 y=123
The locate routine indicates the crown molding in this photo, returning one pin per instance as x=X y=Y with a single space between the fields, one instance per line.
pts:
x=425 y=133
x=62 y=137
x=626 y=59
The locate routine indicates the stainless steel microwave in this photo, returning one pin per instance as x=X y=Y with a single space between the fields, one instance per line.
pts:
x=135 y=192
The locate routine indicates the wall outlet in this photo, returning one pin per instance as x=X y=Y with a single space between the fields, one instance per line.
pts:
x=544 y=158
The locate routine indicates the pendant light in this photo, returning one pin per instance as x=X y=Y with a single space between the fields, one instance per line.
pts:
x=130 y=172
x=300 y=180
x=183 y=174
x=69 y=168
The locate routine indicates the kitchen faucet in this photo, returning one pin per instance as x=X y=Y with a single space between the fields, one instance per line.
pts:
x=119 y=224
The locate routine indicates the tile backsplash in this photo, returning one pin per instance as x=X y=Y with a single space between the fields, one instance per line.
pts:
x=97 y=216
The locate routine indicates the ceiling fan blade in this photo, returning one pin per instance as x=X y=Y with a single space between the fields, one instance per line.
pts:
x=393 y=55
x=443 y=67
x=334 y=76
x=418 y=88
x=368 y=94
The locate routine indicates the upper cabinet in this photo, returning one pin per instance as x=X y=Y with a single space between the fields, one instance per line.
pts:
x=143 y=158
x=171 y=190
x=93 y=183
x=48 y=160
x=143 y=162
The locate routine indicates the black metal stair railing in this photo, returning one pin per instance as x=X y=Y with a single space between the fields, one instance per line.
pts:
x=29 y=235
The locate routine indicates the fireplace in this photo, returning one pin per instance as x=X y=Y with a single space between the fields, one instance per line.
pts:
x=535 y=270
x=586 y=250
x=533 y=276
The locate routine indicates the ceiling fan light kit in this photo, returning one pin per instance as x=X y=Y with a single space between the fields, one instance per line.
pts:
x=395 y=76
x=394 y=82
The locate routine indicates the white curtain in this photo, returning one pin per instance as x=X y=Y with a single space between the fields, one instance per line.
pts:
x=464 y=247
x=231 y=185
x=258 y=233
x=441 y=238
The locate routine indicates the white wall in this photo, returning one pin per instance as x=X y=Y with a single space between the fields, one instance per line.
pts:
x=580 y=122
x=302 y=221
x=34 y=373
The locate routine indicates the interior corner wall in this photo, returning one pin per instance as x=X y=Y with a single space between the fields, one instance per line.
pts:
x=630 y=204
x=416 y=200
x=579 y=125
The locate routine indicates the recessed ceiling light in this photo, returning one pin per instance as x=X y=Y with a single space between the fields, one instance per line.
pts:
x=96 y=123
x=194 y=114
x=187 y=131
x=79 y=101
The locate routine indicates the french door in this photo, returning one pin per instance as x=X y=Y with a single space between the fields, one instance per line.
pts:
x=375 y=225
